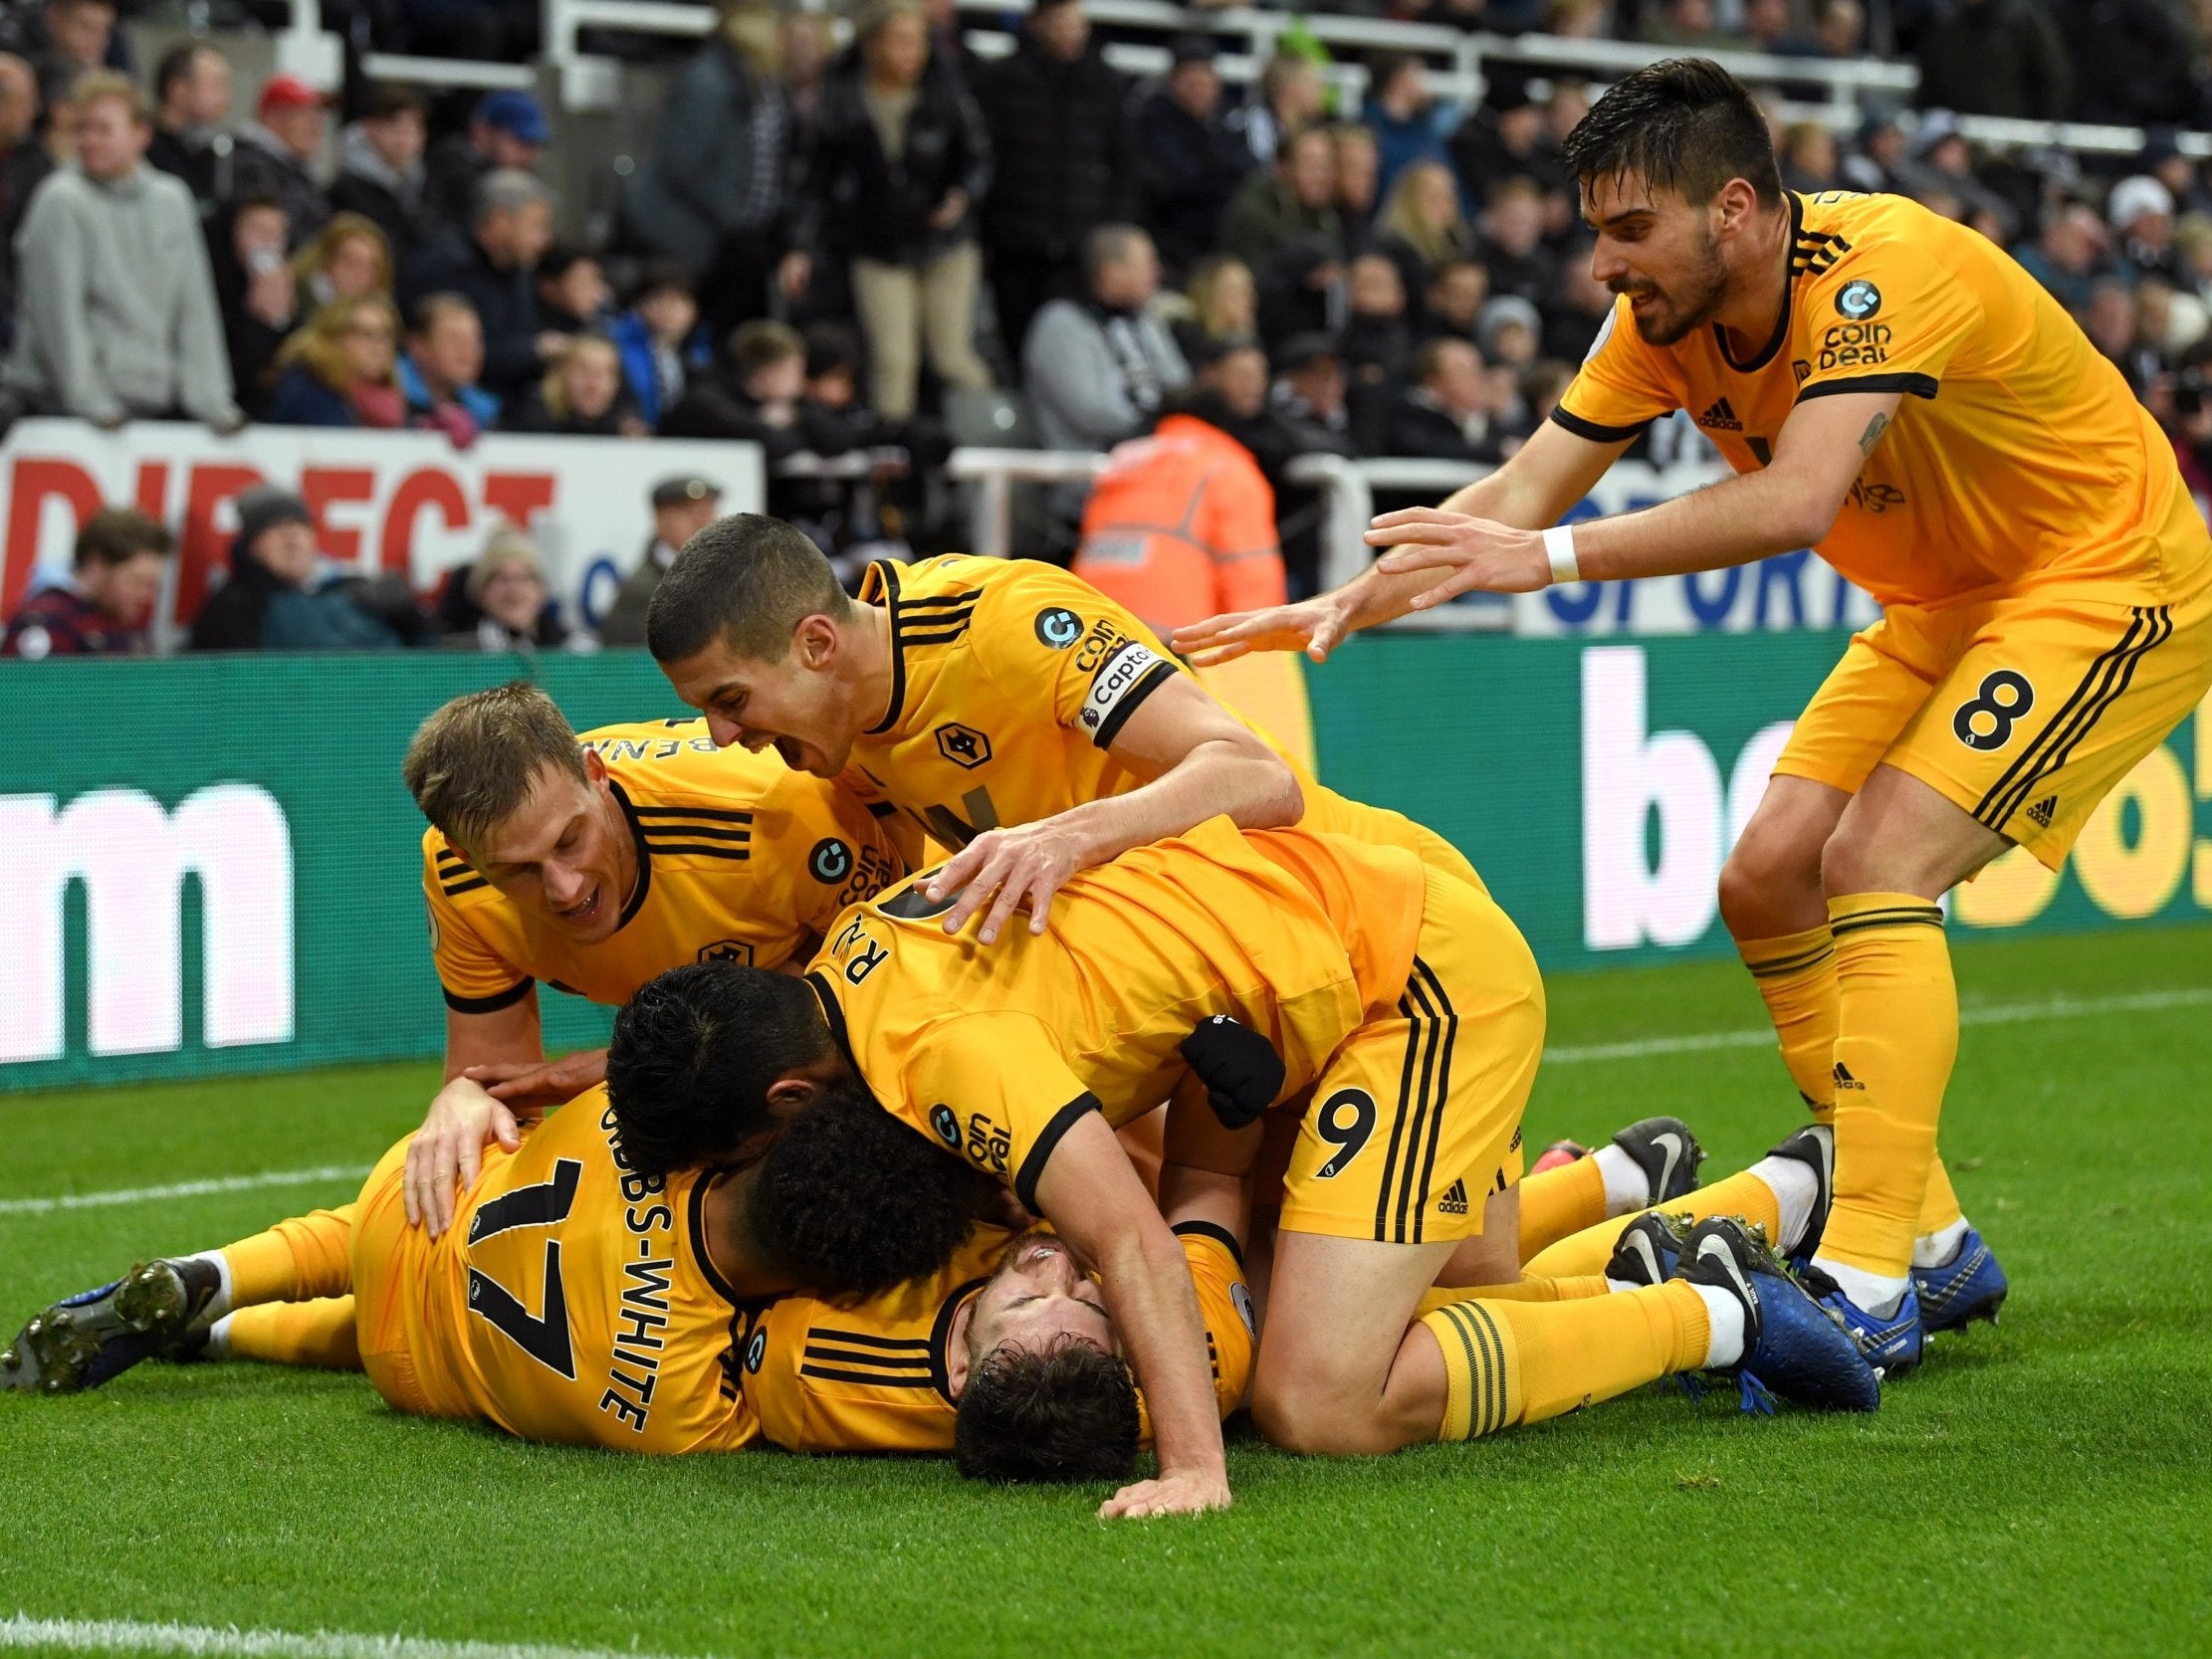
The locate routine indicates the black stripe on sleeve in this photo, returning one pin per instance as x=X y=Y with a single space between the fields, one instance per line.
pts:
x=1150 y=681
x=488 y=1004
x=1219 y=1234
x=1913 y=385
x=1041 y=1153
x=1592 y=430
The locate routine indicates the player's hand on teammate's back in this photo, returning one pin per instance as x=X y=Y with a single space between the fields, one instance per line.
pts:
x=448 y=1150
x=1176 y=1494
x=1479 y=552
x=1002 y=867
x=531 y=1087
x=1314 y=626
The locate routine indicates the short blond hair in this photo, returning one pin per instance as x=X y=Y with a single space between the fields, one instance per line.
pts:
x=88 y=90
x=475 y=761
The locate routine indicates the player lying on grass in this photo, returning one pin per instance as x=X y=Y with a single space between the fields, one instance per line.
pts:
x=1897 y=392
x=593 y=863
x=1404 y=1001
x=1008 y=710
x=576 y=1298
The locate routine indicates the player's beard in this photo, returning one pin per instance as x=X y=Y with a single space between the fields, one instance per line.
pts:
x=1694 y=300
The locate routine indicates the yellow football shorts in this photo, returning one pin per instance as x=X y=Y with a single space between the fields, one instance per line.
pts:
x=392 y=1262
x=2024 y=709
x=1417 y=1119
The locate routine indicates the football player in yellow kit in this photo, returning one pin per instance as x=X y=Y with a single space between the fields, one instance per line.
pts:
x=1403 y=1000
x=1010 y=711
x=1894 y=390
x=593 y=863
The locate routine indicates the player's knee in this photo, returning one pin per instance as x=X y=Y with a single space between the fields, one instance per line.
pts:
x=1850 y=863
x=1766 y=869
x=1316 y=1420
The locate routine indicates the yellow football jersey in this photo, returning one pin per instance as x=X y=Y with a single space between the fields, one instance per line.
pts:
x=872 y=1378
x=572 y=1300
x=739 y=859
x=998 y=1050
x=2018 y=453
x=1009 y=680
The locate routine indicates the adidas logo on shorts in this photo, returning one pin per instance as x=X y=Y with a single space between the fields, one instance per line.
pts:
x=2044 y=811
x=1455 y=1199
x=1844 y=1079
x=1721 y=418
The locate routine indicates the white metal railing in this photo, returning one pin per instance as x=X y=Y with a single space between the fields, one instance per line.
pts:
x=1458 y=59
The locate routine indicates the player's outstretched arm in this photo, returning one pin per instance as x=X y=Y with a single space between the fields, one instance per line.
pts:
x=1544 y=478
x=1200 y=761
x=1788 y=504
x=1094 y=1200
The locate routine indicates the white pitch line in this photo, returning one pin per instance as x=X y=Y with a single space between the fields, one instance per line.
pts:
x=229 y=1642
x=183 y=1189
x=2002 y=1013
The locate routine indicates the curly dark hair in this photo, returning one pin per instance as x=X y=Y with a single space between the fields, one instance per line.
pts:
x=1683 y=125
x=694 y=1055
x=851 y=1201
x=1068 y=1412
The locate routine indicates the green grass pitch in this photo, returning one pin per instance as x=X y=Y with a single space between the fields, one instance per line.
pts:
x=2042 y=1488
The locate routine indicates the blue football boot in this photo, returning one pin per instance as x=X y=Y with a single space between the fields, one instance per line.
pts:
x=1892 y=1341
x=1792 y=1346
x=1970 y=1286
x=95 y=1335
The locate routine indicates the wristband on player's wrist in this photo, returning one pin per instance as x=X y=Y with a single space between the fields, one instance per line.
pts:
x=1559 y=549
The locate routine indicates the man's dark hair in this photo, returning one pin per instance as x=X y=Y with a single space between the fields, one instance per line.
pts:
x=1683 y=125
x=118 y=533
x=431 y=306
x=747 y=581
x=853 y=1201
x=1068 y=1412
x=176 y=65
x=385 y=98
x=662 y=275
x=693 y=1054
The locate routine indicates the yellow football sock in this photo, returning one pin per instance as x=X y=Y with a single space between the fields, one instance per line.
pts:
x=306 y=1257
x=1939 y=1209
x=1897 y=1038
x=1524 y=1290
x=1588 y=1251
x=1796 y=977
x=1508 y=1362
x=1558 y=1202
x=317 y=1332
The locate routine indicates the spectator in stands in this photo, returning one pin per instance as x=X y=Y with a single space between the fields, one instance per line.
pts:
x=2109 y=321
x=2069 y=255
x=2192 y=244
x=1301 y=289
x=1064 y=157
x=1446 y=414
x=1942 y=166
x=342 y=368
x=661 y=340
x=275 y=600
x=1686 y=24
x=1513 y=250
x=191 y=123
x=274 y=154
x=1359 y=174
x=2140 y=212
x=381 y=169
x=901 y=158
x=507 y=594
x=1996 y=57
x=1574 y=315
x=1181 y=524
x=507 y=133
x=24 y=165
x=1881 y=150
x=581 y=395
x=64 y=39
x=1577 y=20
x=346 y=259
x=2130 y=63
x=682 y=508
x=1455 y=297
x=803 y=51
x=1310 y=394
x=1294 y=199
x=1840 y=28
x=1509 y=331
x=1292 y=96
x=1225 y=306
x=712 y=192
x=2162 y=158
x=757 y=394
x=1408 y=122
x=117 y=314
x=1189 y=158
x=1808 y=160
x=257 y=290
x=572 y=293
x=1097 y=370
x=1504 y=138
x=494 y=267
x=100 y=607
x=1769 y=26
x=1375 y=343
x=1422 y=228
x=439 y=373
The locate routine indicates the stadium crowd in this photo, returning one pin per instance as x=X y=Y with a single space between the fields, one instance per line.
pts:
x=823 y=249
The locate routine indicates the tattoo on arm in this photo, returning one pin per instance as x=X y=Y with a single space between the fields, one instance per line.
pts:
x=1872 y=435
